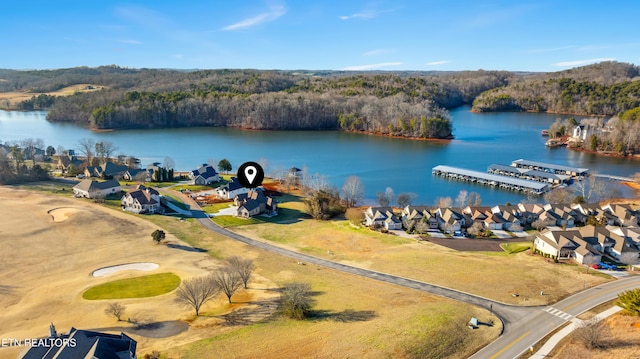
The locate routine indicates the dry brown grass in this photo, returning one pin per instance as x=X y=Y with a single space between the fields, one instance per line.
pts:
x=50 y=245
x=48 y=266
x=9 y=99
x=623 y=341
x=492 y=275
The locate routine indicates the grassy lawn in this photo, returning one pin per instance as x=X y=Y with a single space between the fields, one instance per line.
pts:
x=515 y=247
x=175 y=201
x=139 y=287
x=214 y=208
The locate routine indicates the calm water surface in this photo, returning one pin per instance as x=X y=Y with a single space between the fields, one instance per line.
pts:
x=404 y=165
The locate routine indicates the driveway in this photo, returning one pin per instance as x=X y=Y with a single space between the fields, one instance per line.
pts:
x=501 y=234
x=229 y=211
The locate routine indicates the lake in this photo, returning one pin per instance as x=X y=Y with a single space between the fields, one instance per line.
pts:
x=405 y=165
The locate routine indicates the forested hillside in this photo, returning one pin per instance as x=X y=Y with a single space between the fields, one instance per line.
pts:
x=401 y=104
x=409 y=104
x=607 y=88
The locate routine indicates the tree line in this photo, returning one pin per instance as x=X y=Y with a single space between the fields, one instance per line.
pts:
x=607 y=89
x=402 y=104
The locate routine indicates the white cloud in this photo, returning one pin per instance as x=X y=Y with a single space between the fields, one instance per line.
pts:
x=366 y=14
x=378 y=52
x=371 y=66
x=582 y=62
x=435 y=63
x=360 y=15
x=273 y=13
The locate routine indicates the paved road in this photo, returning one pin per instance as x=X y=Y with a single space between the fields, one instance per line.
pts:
x=523 y=326
x=535 y=326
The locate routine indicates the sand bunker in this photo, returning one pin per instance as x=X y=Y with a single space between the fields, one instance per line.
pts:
x=131 y=266
x=61 y=214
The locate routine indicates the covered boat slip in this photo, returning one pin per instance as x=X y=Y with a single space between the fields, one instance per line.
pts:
x=574 y=172
x=528 y=174
x=505 y=182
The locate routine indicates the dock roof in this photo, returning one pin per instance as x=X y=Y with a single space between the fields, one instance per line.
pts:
x=538 y=186
x=529 y=172
x=550 y=166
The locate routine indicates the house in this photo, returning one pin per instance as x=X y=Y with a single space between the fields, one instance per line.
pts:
x=414 y=214
x=106 y=170
x=142 y=200
x=584 y=212
x=450 y=221
x=566 y=245
x=136 y=174
x=622 y=214
x=204 y=175
x=563 y=215
x=231 y=189
x=295 y=174
x=83 y=344
x=93 y=189
x=382 y=217
x=254 y=203
x=68 y=159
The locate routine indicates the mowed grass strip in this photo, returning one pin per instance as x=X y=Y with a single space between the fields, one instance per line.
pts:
x=138 y=287
x=515 y=247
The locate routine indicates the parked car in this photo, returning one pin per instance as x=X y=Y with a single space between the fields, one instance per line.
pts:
x=607 y=266
x=595 y=266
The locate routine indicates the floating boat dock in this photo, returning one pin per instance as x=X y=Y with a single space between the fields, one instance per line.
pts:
x=505 y=182
x=528 y=174
x=574 y=172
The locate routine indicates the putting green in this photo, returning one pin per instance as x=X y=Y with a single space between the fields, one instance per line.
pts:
x=138 y=287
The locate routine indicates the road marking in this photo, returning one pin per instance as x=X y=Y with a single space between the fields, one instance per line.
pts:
x=558 y=313
x=617 y=288
x=510 y=345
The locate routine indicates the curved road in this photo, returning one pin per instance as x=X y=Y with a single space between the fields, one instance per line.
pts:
x=522 y=326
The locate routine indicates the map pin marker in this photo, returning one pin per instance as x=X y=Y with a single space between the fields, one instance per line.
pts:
x=250 y=175
x=250 y=172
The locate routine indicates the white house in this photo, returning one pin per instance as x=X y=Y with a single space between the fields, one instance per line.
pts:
x=382 y=216
x=93 y=189
x=141 y=200
x=231 y=189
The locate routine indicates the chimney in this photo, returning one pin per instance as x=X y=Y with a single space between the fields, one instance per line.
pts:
x=52 y=331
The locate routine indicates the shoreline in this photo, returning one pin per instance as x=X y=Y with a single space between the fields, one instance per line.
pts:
x=605 y=153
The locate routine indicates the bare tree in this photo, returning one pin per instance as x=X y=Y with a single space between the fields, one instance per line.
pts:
x=421 y=227
x=559 y=195
x=319 y=182
x=228 y=280
x=629 y=258
x=382 y=199
x=461 y=199
x=104 y=150
x=115 y=309
x=593 y=189
x=168 y=163
x=87 y=145
x=352 y=191
x=541 y=224
x=197 y=291
x=296 y=301
x=243 y=267
x=474 y=199
x=592 y=333
x=405 y=199
x=444 y=202
x=212 y=162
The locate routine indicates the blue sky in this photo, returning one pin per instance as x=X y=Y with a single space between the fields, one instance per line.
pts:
x=319 y=35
